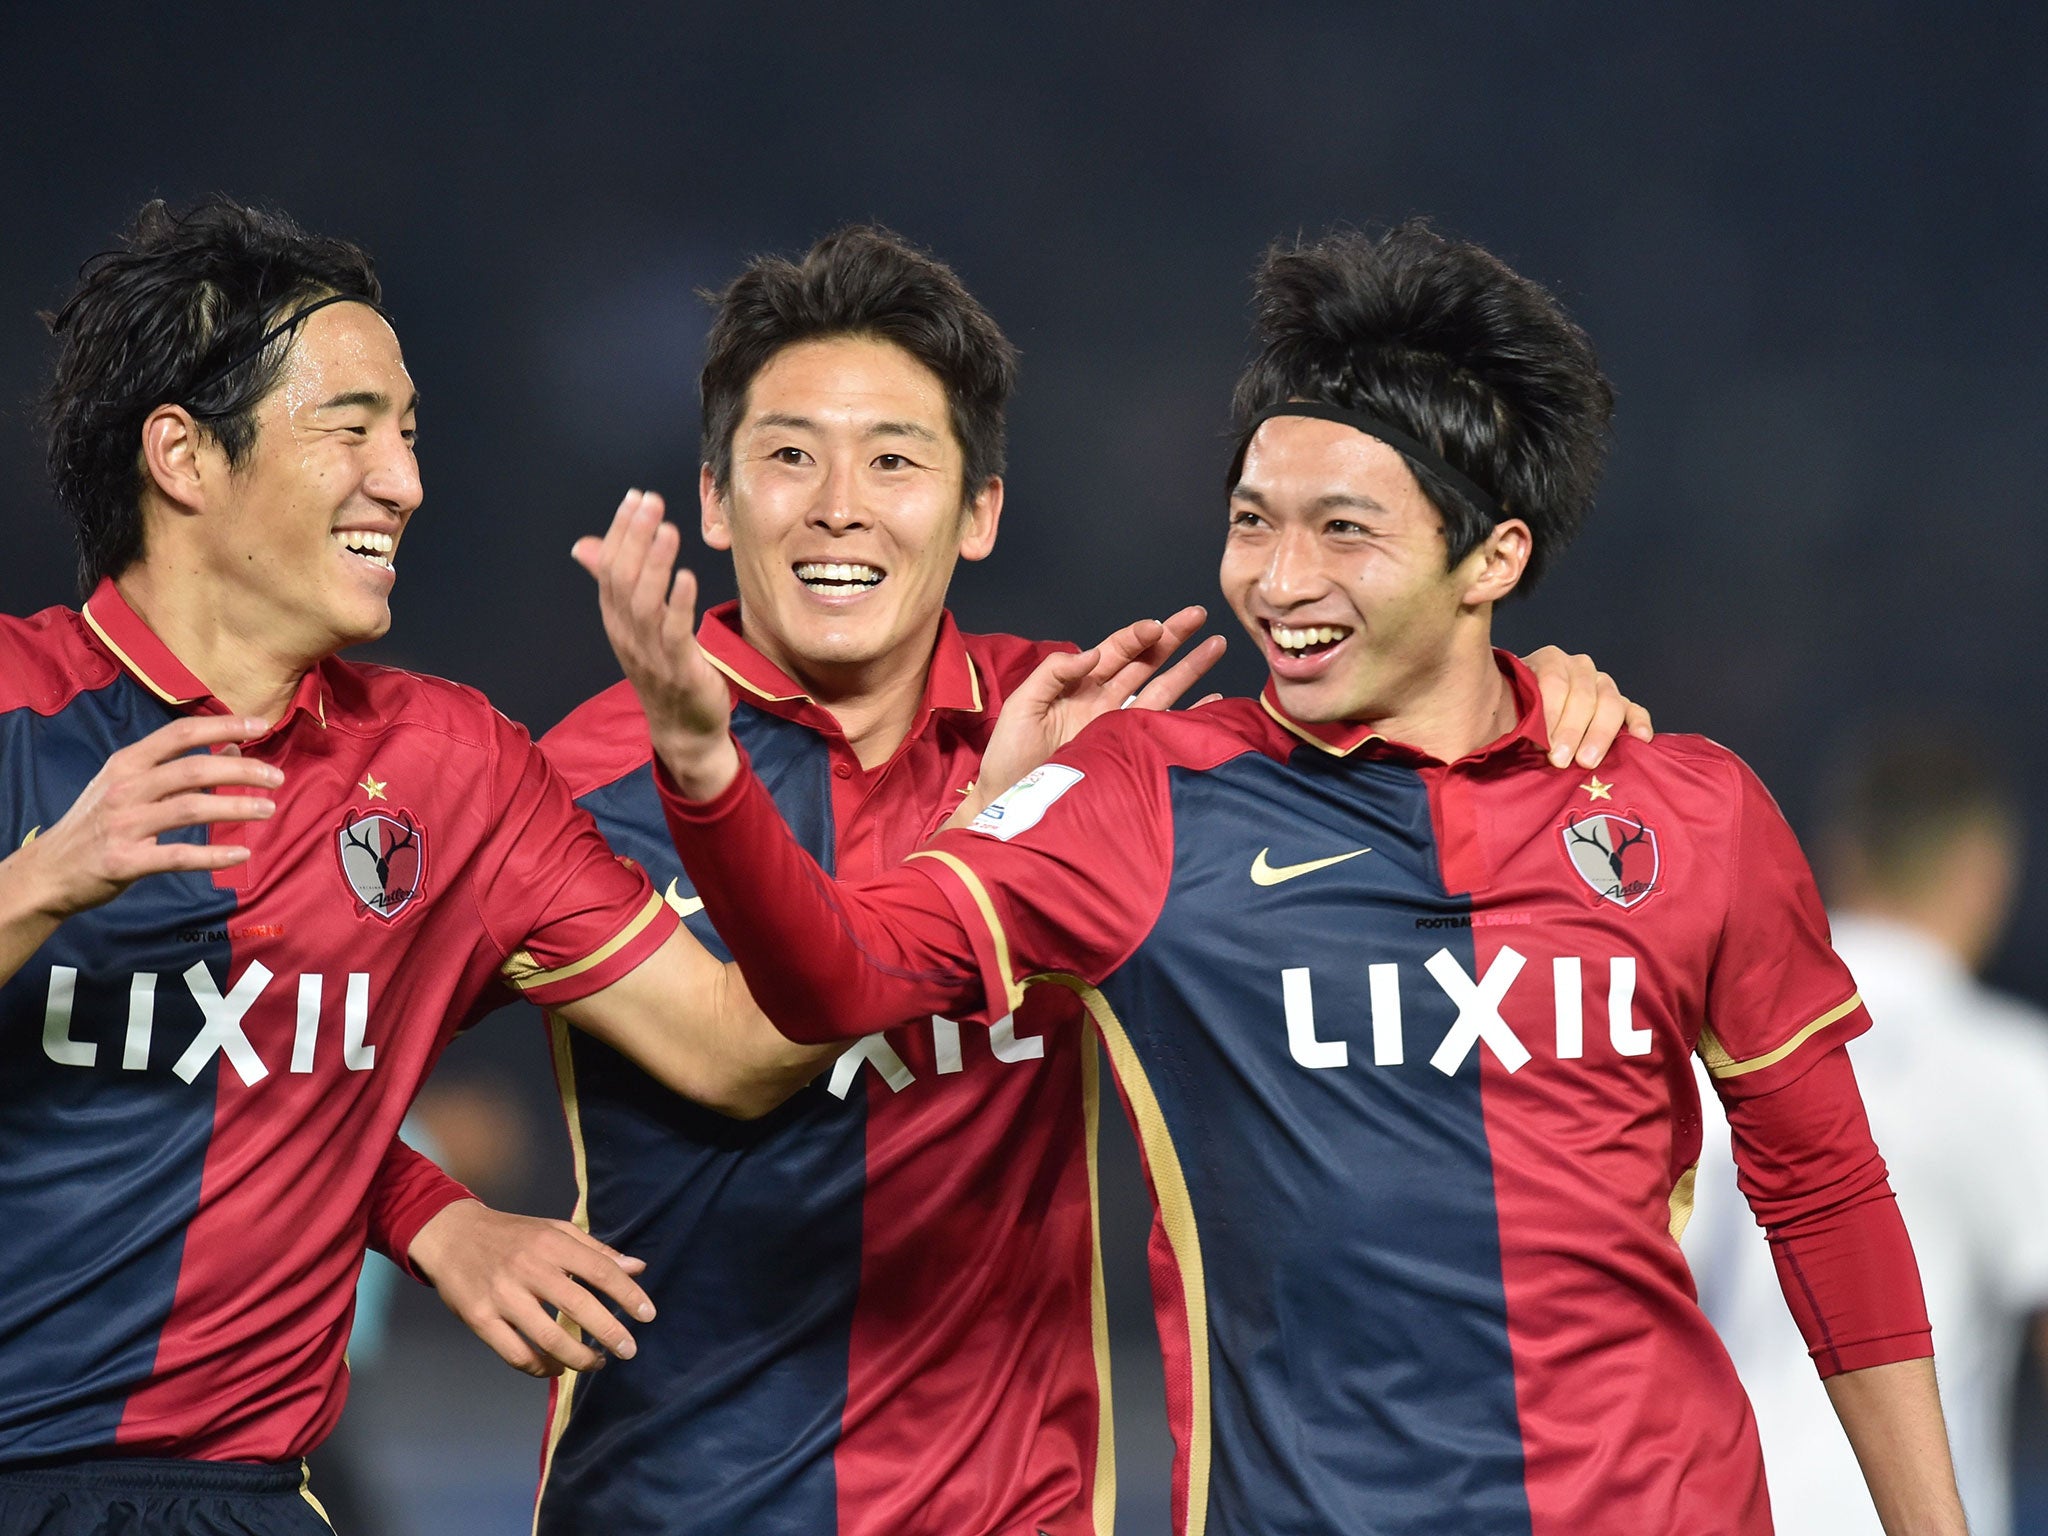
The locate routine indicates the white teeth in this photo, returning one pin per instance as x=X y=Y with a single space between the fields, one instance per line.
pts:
x=837 y=574
x=376 y=547
x=1301 y=639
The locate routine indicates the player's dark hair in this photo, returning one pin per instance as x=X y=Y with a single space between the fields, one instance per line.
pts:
x=1900 y=796
x=1441 y=339
x=175 y=316
x=866 y=281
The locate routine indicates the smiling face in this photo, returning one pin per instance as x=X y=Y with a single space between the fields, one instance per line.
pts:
x=1335 y=564
x=844 y=511
x=303 y=533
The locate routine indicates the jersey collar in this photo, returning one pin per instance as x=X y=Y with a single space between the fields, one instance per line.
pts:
x=1341 y=738
x=952 y=682
x=152 y=663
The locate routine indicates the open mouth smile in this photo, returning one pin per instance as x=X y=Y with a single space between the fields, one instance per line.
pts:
x=835 y=578
x=373 y=548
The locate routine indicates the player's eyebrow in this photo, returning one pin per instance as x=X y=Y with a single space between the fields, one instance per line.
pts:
x=916 y=429
x=1333 y=501
x=373 y=399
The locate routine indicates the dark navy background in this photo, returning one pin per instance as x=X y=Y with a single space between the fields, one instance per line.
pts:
x=1808 y=241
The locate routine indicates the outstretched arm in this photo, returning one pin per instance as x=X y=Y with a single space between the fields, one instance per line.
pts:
x=1892 y=1415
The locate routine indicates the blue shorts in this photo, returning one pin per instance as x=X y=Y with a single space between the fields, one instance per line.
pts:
x=133 y=1496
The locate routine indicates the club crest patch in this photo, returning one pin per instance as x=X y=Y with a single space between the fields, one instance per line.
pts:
x=1615 y=854
x=383 y=859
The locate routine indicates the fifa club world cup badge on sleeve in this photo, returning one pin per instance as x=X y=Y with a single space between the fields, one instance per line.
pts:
x=1615 y=854
x=383 y=859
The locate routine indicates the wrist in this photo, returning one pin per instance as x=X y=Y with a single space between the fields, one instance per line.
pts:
x=702 y=769
x=438 y=1234
x=33 y=885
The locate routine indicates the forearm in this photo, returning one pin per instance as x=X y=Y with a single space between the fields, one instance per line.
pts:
x=1814 y=1179
x=1892 y=1416
x=824 y=961
x=408 y=1192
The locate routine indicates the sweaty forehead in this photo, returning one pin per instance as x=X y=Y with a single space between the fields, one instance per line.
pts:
x=344 y=349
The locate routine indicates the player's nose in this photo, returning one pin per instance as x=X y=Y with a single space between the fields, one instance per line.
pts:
x=1294 y=571
x=838 y=506
x=393 y=480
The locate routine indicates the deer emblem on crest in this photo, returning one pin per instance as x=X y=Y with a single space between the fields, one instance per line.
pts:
x=1614 y=854
x=383 y=859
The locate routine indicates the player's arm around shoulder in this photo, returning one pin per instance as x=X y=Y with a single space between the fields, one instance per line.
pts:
x=687 y=1019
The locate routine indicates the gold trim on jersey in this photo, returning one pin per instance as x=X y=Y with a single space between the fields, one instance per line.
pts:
x=1681 y=1200
x=1315 y=741
x=759 y=693
x=1105 y=1423
x=572 y=1116
x=525 y=973
x=129 y=661
x=1721 y=1064
x=1177 y=1216
x=987 y=908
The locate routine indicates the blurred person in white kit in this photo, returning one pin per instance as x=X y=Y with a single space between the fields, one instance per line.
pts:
x=1921 y=862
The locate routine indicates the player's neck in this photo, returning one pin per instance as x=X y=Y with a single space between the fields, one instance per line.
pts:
x=1452 y=708
x=874 y=701
x=208 y=633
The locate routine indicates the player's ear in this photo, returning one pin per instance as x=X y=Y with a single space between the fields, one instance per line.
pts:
x=174 y=450
x=978 y=520
x=1494 y=569
x=712 y=523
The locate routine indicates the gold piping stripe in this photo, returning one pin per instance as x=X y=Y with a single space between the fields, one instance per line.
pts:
x=1721 y=1064
x=759 y=693
x=1681 y=1200
x=974 y=682
x=987 y=908
x=129 y=661
x=1177 y=1216
x=524 y=972
x=1314 y=741
x=306 y=1493
x=1105 y=1424
x=565 y=1082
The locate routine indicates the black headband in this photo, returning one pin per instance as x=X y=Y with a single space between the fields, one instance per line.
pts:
x=1372 y=426
x=283 y=327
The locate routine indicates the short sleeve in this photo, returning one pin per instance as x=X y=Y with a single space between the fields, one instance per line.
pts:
x=569 y=915
x=1066 y=871
x=1778 y=996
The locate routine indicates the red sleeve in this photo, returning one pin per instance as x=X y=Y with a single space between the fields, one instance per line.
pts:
x=407 y=1193
x=1064 y=873
x=1778 y=996
x=824 y=961
x=1050 y=878
x=1812 y=1174
x=567 y=913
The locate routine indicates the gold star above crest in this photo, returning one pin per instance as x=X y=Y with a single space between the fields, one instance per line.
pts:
x=1596 y=790
x=373 y=787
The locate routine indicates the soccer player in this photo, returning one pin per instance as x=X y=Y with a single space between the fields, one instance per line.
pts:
x=1402 y=1017
x=251 y=891
x=879 y=1306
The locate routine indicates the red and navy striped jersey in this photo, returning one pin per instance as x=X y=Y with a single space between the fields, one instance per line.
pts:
x=205 y=1075
x=879 y=1306
x=1408 y=1048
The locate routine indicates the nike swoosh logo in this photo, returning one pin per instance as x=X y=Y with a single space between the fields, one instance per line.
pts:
x=1268 y=874
x=684 y=905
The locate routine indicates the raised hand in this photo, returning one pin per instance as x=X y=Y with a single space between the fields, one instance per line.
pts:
x=650 y=617
x=1066 y=691
x=1583 y=709
x=520 y=1283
